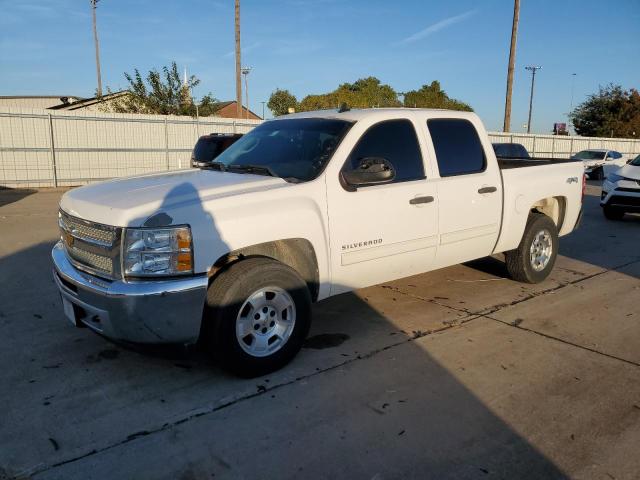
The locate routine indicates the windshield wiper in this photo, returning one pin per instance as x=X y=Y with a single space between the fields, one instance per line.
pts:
x=212 y=165
x=257 y=169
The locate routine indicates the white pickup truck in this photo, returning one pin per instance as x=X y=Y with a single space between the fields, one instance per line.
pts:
x=301 y=208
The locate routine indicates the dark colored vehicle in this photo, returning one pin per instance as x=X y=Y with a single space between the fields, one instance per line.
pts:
x=510 y=150
x=208 y=147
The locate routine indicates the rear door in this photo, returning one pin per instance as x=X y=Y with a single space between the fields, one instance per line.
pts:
x=469 y=190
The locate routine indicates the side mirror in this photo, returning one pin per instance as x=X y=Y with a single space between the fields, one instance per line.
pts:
x=370 y=171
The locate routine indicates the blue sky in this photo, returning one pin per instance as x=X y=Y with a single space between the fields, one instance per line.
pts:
x=310 y=46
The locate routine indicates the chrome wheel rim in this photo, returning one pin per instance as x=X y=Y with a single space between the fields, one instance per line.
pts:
x=541 y=250
x=265 y=321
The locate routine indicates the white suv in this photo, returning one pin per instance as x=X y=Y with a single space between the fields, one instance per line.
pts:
x=621 y=191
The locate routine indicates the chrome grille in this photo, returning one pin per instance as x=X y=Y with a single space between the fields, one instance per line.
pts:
x=91 y=246
x=99 y=234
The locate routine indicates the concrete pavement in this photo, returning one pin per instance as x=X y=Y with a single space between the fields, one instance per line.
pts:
x=459 y=373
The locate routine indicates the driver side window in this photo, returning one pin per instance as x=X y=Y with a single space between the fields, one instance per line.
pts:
x=395 y=141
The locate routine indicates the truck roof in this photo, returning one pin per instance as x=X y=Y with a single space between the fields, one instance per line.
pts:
x=381 y=113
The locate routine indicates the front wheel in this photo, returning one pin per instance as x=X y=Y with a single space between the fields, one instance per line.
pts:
x=257 y=316
x=534 y=258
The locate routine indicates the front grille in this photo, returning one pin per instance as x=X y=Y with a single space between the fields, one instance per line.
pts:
x=91 y=246
x=624 y=200
x=93 y=260
x=99 y=234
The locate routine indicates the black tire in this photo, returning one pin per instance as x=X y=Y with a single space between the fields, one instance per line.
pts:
x=226 y=296
x=519 y=263
x=612 y=213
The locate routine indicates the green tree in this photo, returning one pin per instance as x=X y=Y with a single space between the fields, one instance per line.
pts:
x=363 y=93
x=281 y=101
x=161 y=92
x=612 y=111
x=432 y=96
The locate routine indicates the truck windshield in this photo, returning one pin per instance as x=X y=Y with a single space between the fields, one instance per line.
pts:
x=589 y=155
x=297 y=149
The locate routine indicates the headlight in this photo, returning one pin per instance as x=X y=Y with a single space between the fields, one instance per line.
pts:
x=613 y=178
x=157 y=251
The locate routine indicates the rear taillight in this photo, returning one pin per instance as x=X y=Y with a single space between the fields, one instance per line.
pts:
x=584 y=185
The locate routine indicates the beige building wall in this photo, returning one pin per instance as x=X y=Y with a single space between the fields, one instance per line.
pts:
x=32 y=102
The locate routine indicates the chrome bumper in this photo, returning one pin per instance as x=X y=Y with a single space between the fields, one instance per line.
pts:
x=160 y=311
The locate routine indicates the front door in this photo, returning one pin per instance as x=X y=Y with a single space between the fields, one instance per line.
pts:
x=383 y=232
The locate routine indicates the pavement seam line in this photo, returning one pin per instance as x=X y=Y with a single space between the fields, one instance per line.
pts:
x=417 y=335
x=207 y=411
x=561 y=340
x=496 y=308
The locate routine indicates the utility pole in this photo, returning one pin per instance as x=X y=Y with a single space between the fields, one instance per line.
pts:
x=512 y=60
x=238 y=68
x=245 y=72
x=95 y=41
x=533 y=69
x=263 y=109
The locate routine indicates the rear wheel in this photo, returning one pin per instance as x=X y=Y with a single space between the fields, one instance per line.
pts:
x=257 y=316
x=612 y=213
x=534 y=258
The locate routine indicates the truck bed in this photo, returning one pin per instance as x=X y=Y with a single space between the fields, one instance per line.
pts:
x=506 y=163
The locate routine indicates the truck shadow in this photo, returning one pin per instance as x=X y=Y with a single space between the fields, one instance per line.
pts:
x=10 y=195
x=364 y=388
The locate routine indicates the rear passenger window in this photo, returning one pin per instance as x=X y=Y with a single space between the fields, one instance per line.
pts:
x=394 y=140
x=457 y=145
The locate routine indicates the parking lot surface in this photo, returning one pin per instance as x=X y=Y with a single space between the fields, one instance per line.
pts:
x=458 y=373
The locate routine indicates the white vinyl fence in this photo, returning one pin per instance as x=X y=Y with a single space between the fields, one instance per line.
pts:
x=40 y=148
x=558 y=146
x=44 y=148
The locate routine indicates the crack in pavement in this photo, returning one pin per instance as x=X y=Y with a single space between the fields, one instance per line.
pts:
x=566 y=342
x=416 y=335
x=38 y=469
x=496 y=308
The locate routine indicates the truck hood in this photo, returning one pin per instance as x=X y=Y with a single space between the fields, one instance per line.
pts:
x=131 y=201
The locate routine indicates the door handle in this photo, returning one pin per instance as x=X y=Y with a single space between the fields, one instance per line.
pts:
x=487 y=190
x=419 y=200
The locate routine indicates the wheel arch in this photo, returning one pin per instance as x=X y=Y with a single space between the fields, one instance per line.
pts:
x=553 y=207
x=297 y=253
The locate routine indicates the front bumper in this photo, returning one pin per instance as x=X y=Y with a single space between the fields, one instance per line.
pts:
x=151 y=311
x=623 y=194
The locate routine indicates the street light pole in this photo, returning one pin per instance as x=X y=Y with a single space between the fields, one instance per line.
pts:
x=533 y=69
x=263 y=109
x=245 y=72
x=573 y=83
x=512 y=60
x=96 y=43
